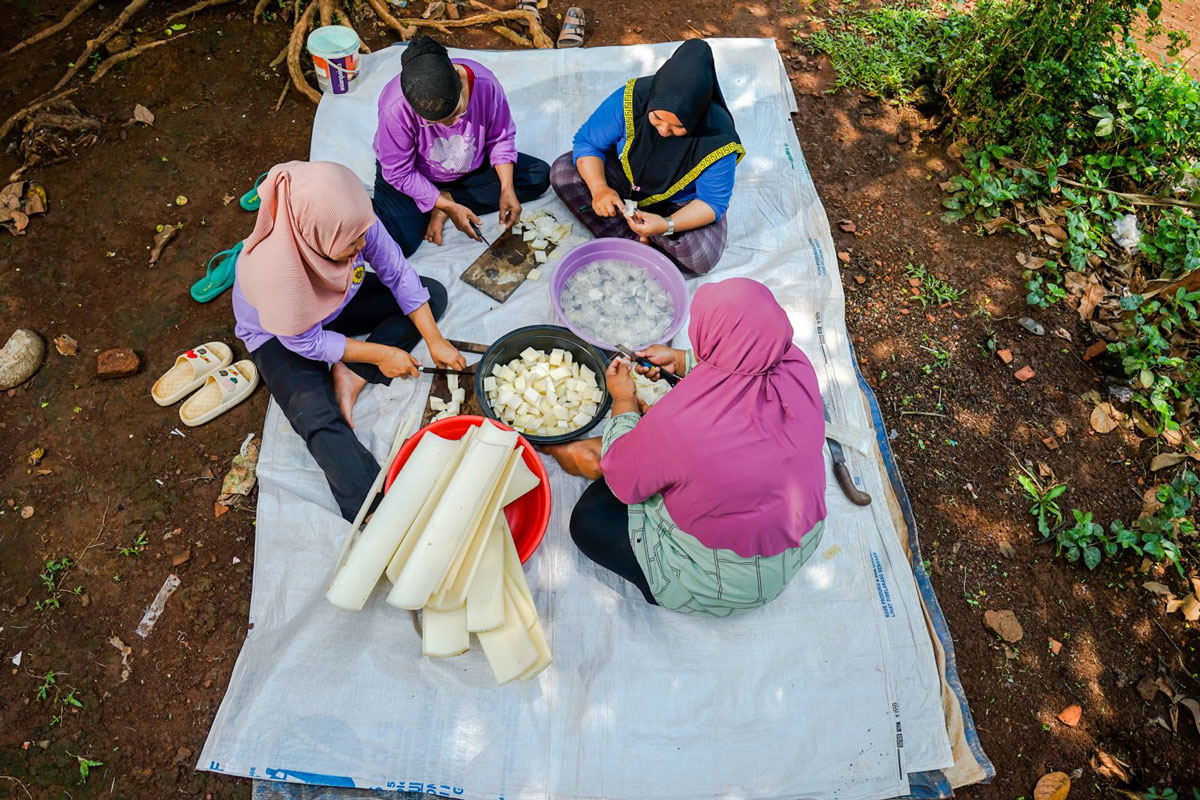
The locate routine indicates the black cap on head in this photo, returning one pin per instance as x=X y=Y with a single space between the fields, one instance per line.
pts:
x=429 y=80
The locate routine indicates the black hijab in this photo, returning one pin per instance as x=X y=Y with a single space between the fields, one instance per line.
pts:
x=686 y=85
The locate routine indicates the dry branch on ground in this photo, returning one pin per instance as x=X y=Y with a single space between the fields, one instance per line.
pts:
x=68 y=18
x=134 y=52
x=94 y=44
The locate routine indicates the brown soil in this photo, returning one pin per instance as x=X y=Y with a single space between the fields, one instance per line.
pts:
x=117 y=470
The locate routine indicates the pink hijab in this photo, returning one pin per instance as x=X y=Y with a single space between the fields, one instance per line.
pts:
x=309 y=211
x=735 y=448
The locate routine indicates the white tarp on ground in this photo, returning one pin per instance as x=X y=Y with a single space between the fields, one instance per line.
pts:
x=830 y=691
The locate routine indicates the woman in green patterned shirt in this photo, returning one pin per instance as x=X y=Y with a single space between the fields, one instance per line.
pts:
x=713 y=500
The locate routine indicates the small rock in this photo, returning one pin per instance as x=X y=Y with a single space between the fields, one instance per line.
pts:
x=26 y=512
x=843 y=256
x=1060 y=427
x=1024 y=373
x=182 y=754
x=860 y=279
x=1147 y=688
x=65 y=345
x=1007 y=550
x=1032 y=325
x=1005 y=355
x=848 y=226
x=1094 y=350
x=1004 y=624
x=181 y=558
x=1050 y=442
x=219 y=509
x=1122 y=394
x=20 y=358
x=1055 y=645
x=181 y=200
x=119 y=363
x=85 y=599
x=21 y=601
x=1070 y=716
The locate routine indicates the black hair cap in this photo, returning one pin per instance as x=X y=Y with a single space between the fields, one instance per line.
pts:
x=431 y=84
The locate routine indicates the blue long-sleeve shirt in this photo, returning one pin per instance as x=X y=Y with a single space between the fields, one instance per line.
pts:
x=603 y=136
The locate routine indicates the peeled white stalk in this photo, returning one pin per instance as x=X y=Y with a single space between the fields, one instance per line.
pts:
x=485 y=598
x=458 y=581
x=444 y=633
x=435 y=494
x=538 y=637
x=523 y=481
x=524 y=605
x=441 y=537
x=369 y=556
x=509 y=650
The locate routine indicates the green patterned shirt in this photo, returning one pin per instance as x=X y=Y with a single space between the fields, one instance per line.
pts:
x=683 y=574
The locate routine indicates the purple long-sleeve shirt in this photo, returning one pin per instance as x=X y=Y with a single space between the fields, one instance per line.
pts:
x=416 y=154
x=318 y=344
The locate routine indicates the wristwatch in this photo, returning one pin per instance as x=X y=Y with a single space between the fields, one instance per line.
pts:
x=670 y=227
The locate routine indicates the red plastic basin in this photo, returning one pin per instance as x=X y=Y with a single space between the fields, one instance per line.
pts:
x=529 y=515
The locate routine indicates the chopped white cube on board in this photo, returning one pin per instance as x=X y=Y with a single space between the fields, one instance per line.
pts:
x=437 y=403
x=452 y=382
x=489 y=384
x=547 y=395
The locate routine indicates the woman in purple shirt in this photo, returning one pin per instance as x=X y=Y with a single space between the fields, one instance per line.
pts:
x=445 y=149
x=302 y=290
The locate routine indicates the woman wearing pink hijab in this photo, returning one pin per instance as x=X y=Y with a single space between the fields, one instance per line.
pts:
x=302 y=291
x=713 y=500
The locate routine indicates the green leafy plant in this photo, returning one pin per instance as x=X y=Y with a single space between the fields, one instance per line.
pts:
x=1081 y=540
x=85 y=765
x=51 y=578
x=886 y=51
x=1044 y=508
x=932 y=288
x=135 y=549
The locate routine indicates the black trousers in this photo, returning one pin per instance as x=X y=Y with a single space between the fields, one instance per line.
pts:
x=478 y=190
x=304 y=390
x=600 y=529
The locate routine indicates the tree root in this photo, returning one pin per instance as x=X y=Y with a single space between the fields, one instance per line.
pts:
x=281 y=57
x=68 y=18
x=12 y=121
x=512 y=36
x=286 y=85
x=343 y=19
x=386 y=17
x=112 y=61
x=326 y=9
x=199 y=7
x=94 y=44
x=540 y=39
x=293 y=58
x=260 y=8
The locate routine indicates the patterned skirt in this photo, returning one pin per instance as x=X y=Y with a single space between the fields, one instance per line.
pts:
x=697 y=250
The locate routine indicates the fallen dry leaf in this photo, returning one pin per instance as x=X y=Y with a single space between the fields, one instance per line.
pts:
x=36 y=456
x=1156 y=587
x=1164 y=460
x=1190 y=608
x=1088 y=301
x=1109 y=766
x=219 y=509
x=1052 y=786
x=1070 y=716
x=116 y=642
x=1194 y=707
x=1062 y=333
x=1094 y=350
x=160 y=242
x=1147 y=688
x=848 y=226
x=1104 y=418
x=227 y=199
x=143 y=115
x=1007 y=550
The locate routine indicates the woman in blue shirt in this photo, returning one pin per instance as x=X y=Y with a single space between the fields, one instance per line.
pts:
x=667 y=142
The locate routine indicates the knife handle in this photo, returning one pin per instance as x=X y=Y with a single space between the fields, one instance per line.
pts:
x=856 y=495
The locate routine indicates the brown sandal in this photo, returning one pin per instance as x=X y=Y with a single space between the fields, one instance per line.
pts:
x=528 y=5
x=572 y=31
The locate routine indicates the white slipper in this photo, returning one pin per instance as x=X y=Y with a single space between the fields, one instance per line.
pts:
x=189 y=372
x=222 y=390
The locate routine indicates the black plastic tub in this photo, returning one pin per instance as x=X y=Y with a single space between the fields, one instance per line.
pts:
x=544 y=338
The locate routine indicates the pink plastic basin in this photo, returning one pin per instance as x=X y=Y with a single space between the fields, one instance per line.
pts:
x=631 y=252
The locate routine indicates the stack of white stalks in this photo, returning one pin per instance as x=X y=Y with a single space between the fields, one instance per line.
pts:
x=441 y=537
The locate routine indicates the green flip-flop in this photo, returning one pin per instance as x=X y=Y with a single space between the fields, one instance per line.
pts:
x=217 y=278
x=250 y=200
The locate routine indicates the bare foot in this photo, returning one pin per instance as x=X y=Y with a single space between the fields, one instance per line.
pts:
x=437 y=224
x=580 y=457
x=346 y=385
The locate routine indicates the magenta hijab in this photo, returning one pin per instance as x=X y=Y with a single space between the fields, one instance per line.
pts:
x=735 y=448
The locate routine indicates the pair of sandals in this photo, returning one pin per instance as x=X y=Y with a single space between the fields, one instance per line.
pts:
x=209 y=368
x=221 y=271
x=572 y=32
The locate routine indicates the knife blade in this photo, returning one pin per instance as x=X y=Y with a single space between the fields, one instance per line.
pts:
x=842 y=472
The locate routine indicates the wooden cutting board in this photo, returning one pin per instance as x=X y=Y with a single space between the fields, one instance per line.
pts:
x=503 y=267
x=441 y=386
